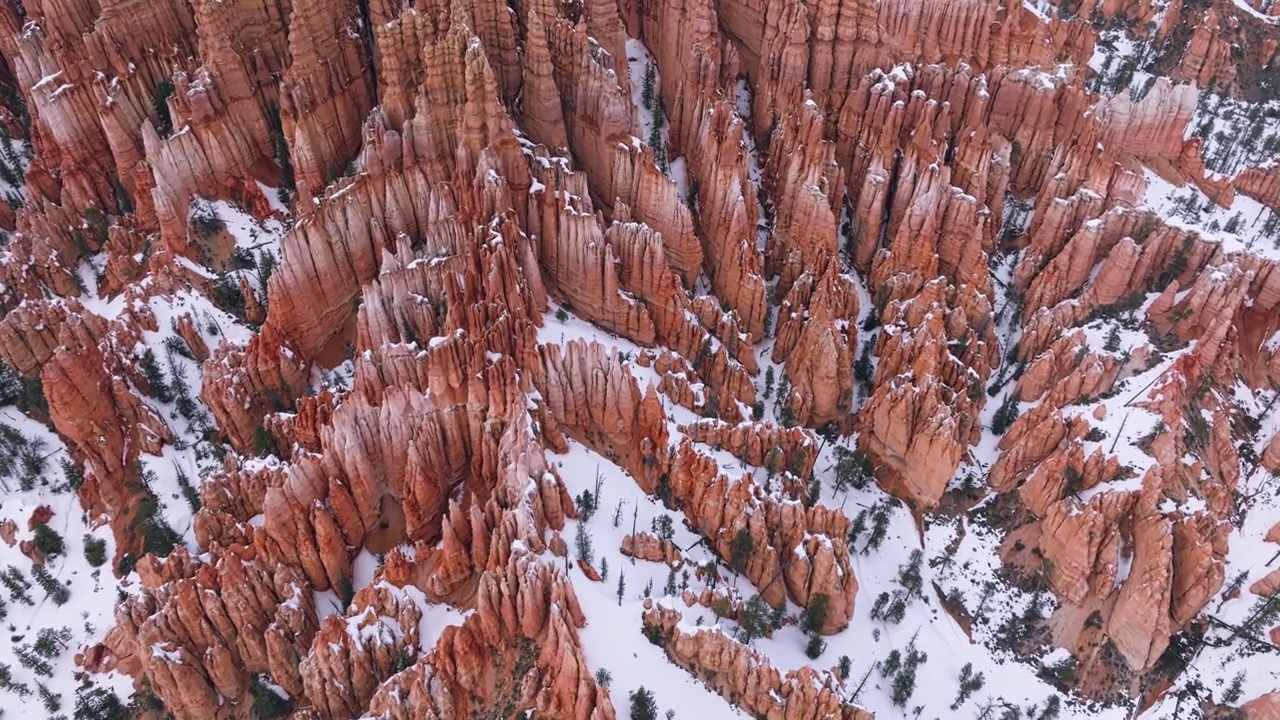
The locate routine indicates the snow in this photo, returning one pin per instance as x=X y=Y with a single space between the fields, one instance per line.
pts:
x=1249 y=9
x=87 y=614
x=1246 y=225
x=611 y=639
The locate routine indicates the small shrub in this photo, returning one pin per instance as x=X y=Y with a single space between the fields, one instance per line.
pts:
x=815 y=647
x=740 y=549
x=267 y=704
x=160 y=102
x=95 y=551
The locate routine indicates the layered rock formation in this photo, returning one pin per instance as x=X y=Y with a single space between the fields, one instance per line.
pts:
x=893 y=215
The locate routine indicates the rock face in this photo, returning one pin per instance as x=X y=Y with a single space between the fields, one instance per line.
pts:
x=734 y=670
x=1261 y=183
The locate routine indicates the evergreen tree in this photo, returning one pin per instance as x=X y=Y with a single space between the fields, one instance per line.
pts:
x=16 y=582
x=56 y=591
x=622 y=585
x=815 y=616
x=583 y=542
x=33 y=662
x=48 y=541
x=586 y=503
x=7 y=683
x=155 y=377
x=267 y=703
x=663 y=527
x=1112 y=343
x=815 y=647
x=52 y=701
x=160 y=102
x=740 y=549
x=643 y=706
x=753 y=620
x=50 y=643
x=655 y=136
x=853 y=469
x=93 y=703
x=647 y=86
x=1005 y=415
x=969 y=684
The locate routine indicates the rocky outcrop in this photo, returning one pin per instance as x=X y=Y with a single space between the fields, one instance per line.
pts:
x=736 y=671
x=198 y=637
x=596 y=402
x=1262 y=183
x=644 y=546
x=327 y=91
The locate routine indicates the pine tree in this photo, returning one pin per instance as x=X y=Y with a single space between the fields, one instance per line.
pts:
x=16 y=582
x=1005 y=415
x=643 y=706
x=846 y=667
x=655 y=136
x=583 y=543
x=48 y=541
x=740 y=549
x=267 y=703
x=586 y=504
x=50 y=643
x=94 y=703
x=95 y=550
x=155 y=377
x=604 y=568
x=969 y=684
x=622 y=585
x=815 y=647
x=1112 y=343
x=56 y=591
x=853 y=469
x=647 y=86
x=753 y=620
x=52 y=701
x=815 y=616
x=663 y=527
x=33 y=662
x=670 y=589
x=1232 y=694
